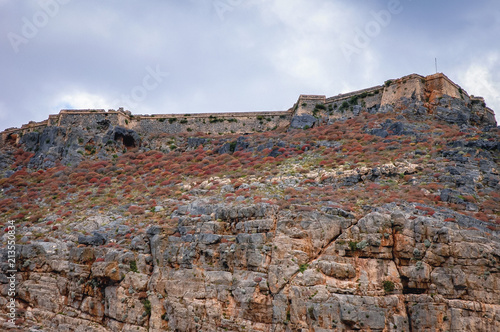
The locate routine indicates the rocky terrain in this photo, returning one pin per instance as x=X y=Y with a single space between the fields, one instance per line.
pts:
x=384 y=220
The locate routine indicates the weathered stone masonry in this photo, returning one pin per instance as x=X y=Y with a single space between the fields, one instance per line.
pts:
x=411 y=87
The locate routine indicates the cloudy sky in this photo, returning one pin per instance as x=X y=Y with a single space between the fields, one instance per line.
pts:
x=186 y=56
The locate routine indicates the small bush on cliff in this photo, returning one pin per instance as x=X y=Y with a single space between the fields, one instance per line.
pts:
x=133 y=267
x=388 y=286
x=147 y=306
x=344 y=106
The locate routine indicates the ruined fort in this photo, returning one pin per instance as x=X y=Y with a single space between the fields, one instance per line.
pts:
x=308 y=111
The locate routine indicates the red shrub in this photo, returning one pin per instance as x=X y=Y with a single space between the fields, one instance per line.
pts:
x=428 y=211
x=136 y=210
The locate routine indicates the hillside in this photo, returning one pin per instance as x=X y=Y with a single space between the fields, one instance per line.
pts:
x=377 y=210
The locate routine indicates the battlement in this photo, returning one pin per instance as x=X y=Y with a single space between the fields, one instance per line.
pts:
x=410 y=87
x=439 y=84
x=414 y=87
x=344 y=96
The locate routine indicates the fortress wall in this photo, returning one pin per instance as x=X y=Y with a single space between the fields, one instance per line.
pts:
x=306 y=103
x=486 y=109
x=16 y=133
x=86 y=118
x=211 y=123
x=374 y=100
x=405 y=87
x=479 y=108
x=122 y=119
x=489 y=115
x=439 y=85
x=368 y=97
x=53 y=120
x=340 y=106
x=371 y=96
x=66 y=118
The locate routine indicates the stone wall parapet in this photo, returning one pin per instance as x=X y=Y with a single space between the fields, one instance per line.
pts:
x=393 y=91
x=343 y=96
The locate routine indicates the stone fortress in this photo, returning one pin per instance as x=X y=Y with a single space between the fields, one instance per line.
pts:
x=308 y=111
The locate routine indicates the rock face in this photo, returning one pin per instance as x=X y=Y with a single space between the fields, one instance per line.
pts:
x=259 y=268
x=303 y=121
x=376 y=210
x=95 y=240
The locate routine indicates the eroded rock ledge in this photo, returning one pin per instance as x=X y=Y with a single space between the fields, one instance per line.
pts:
x=258 y=268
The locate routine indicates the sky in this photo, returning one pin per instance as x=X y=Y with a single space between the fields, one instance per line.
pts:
x=197 y=56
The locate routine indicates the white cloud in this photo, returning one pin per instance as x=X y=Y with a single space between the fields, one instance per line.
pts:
x=307 y=46
x=80 y=100
x=262 y=55
x=482 y=78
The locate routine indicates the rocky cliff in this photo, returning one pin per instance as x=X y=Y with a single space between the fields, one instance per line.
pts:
x=370 y=218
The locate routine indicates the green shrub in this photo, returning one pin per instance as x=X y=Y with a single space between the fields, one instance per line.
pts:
x=133 y=267
x=310 y=311
x=147 y=306
x=344 y=105
x=214 y=119
x=232 y=146
x=388 y=286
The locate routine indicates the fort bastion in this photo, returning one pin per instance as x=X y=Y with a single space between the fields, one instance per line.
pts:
x=308 y=111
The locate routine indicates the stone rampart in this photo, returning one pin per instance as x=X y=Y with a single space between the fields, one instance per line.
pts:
x=211 y=123
x=439 y=84
x=410 y=87
x=376 y=90
x=317 y=107
x=306 y=104
x=369 y=98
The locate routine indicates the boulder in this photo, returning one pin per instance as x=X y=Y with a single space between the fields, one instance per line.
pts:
x=303 y=121
x=97 y=239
